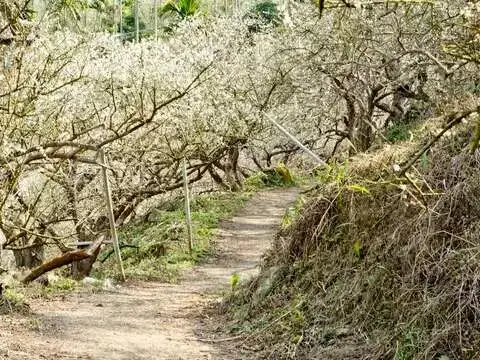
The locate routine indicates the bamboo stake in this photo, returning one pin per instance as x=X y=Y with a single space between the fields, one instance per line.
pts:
x=188 y=217
x=111 y=216
x=298 y=143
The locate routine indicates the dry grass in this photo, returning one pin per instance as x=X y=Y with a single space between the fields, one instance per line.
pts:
x=386 y=267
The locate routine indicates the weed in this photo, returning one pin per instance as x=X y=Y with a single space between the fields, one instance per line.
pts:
x=409 y=345
x=12 y=301
x=335 y=173
x=62 y=284
x=292 y=212
x=234 y=279
x=13 y=297
x=399 y=132
x=358 y=249
x=279 y=176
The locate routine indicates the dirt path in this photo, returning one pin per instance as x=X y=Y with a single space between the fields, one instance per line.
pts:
x=147 y=320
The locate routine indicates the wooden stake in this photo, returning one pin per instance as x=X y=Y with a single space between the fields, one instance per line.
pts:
x=188 y=217
x=111 y=217
x=298 y=143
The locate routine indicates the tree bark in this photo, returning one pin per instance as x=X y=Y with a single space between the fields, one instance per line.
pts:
x=28 y=256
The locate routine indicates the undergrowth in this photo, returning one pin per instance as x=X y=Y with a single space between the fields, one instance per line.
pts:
x=157 y=249
x=374 y=266
x=278 y=176
x=12 y=301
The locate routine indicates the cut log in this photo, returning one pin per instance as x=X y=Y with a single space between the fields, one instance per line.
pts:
x=63 y=260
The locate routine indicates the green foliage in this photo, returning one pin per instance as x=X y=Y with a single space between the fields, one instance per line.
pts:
x=263 y=14
x=424 y=161
x=12 y=301
x=73 y=9
x=285 y=173
x=358 y=249
x=256 y=181
x=399 y=132
x=474 y=88
x=61 y=285
x=175 y=11
x=13 y=297
x=280 y=176
x=293 y=212
x=128 y=13
x=268 y=12
x=335 y=173
x=234 y=279
x=57 y=285
x=181 y=8
x=408 y=345
x=408 y=127
x=358 y=188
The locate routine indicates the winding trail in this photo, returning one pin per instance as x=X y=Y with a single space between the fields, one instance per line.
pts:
x=147 y=320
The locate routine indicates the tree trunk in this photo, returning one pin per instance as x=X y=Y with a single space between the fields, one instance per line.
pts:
x=29 y=256
x=363 y=136
x=82 y=268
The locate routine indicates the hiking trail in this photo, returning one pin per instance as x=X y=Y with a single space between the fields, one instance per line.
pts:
x=148 y=320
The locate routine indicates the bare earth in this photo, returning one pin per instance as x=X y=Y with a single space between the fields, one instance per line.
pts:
x=147 y=320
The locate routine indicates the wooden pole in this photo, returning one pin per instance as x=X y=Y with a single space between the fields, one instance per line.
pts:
x=298 y=143
x=111 y=216
x=188 y=217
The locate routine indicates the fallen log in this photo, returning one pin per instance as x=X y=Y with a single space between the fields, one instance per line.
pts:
x=64 y=259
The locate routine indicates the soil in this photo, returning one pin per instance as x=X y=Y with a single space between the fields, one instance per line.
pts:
x=148 y=320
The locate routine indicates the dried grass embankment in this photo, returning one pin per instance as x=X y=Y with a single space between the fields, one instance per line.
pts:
x=376 y=266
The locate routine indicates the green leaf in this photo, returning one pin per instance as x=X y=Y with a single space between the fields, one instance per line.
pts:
x=358 y=188
x=357 y=249
x=234 y=279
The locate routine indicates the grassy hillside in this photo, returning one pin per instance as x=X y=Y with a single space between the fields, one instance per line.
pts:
x=376 y=265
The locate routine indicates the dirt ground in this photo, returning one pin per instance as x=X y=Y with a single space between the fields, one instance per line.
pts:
x=148 y=320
